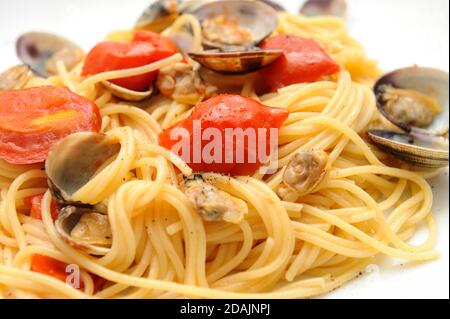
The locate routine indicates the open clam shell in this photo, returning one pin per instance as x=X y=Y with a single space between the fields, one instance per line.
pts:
x=74 y=161
x=428 y=81
x=252 y=20
x=417 y=149
x=160 y=14
x=236 y=62
x=40 y=51
x=416 y=100
x=85 y=229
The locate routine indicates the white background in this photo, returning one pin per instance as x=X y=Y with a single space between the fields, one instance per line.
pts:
x=396 y=32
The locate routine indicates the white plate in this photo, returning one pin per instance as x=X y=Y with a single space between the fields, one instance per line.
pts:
x=396 y=33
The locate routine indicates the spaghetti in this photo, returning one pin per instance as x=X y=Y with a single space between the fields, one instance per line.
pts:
x=163 y=249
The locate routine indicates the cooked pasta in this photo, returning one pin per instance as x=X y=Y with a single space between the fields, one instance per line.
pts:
x=367 y=203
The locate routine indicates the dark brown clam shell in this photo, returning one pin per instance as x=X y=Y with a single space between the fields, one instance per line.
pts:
x=419 y=150
x=236 y=62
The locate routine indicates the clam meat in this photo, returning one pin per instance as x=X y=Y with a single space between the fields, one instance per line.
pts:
x=213 y=204
x=85 y=229
x=415 y=99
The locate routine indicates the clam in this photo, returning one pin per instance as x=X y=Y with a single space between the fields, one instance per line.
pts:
x=74 y=161
x=418 y=149
x=85 y=229
x=182 y=82
x=14 y=78
x=312 y=8
x=160 y=14
x=235 y=23
x=232 y=29
x=415 y=99
x=126 y=94
x=304 y=173
x=213 y=204
x=41 y=51
x=236 y=62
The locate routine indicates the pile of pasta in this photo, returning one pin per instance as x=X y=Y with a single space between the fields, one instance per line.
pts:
x=161 y=246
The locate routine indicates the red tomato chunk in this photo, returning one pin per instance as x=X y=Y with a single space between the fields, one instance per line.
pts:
x=33 y=120
x=227 y=112
x=304 y=60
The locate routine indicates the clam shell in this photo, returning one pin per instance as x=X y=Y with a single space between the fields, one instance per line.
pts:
x=68 y=219
x=236 y=62
x=36 y=50
x=429 y=81
x=126 y=94
x=416 y=150
x=73 y=162
x=255 y=16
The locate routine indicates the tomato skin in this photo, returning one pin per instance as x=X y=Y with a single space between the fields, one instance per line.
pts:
x=33 y=120
x=99 y=282
x=146 y=47
x=57 y=269
x=222 y=112
x=49 y=266
x=163 y=44
x=111 y=56
x=35 y=204
x=304 y=60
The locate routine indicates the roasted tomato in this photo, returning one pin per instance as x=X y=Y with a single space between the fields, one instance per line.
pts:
x=304 y=60
x=225 y=112
x=33 y=120
x=57 y=269
x=49 y=266
x=145 y=48
x=35 y=204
